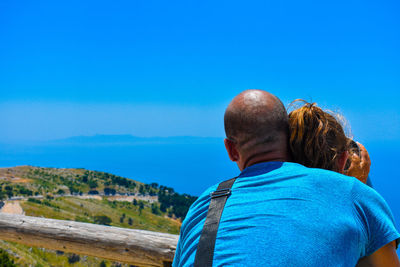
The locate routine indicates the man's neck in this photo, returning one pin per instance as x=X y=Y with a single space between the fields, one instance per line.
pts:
x=264 y=157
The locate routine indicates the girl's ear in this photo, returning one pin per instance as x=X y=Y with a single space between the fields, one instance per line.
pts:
x=341 y=161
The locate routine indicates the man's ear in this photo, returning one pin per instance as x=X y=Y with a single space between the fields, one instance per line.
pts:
x=231 y=149
x=341 y=161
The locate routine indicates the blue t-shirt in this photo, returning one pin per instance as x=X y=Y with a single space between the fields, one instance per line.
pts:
x=284 y=214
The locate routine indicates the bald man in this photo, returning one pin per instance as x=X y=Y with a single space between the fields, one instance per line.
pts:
x=278 y=213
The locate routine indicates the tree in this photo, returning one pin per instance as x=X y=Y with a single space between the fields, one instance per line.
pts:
x=92 y=184
x=61 y=192
x=141 y=207
x=5 y=260
x=103 y=264
x=170 y=214
x=109 y=191
x=2 y=195
x=73 y=189
x=142 y=191
x=25 y=191
x=10 y=194
x=180 y=203
x=130 y=221
x=163 y=207
x=9 y=191
x=8 y=188
x=102 y=219
x=155 y=209
x=73 y=258
x=122 y=218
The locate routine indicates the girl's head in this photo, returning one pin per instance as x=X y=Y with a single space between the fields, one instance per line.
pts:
x=317 y=139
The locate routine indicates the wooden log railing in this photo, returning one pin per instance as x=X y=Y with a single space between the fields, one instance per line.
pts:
x=137 y=247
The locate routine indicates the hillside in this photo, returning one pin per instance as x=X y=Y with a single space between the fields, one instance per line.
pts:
x=87 y=196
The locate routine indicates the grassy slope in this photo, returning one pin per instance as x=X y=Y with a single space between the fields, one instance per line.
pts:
x=27 y=256
x=48 y=181
x=72 y=208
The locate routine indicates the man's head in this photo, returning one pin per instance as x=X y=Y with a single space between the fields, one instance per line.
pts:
x=256 y=127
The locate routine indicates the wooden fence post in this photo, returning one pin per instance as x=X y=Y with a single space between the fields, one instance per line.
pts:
x=137 y=247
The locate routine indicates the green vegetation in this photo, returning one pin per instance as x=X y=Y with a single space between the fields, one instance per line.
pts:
x=174 y=203
x=5 y=260
x=32 y=256
x=90 y=197
x=102 y=219
x=29 y=181
x=92 y=210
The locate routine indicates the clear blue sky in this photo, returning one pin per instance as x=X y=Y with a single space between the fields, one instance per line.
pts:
x=168 y=68
x=162 y=68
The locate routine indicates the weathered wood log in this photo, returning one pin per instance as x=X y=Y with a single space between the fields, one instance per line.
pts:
x=137 y=247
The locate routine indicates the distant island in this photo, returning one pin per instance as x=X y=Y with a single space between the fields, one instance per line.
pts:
x=131 y=139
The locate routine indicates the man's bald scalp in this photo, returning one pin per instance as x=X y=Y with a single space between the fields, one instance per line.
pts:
x=255 y=117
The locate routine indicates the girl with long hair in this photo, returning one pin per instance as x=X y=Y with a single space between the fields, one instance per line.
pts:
x=318 y=140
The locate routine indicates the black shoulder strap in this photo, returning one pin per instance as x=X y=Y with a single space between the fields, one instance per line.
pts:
x=205 y=248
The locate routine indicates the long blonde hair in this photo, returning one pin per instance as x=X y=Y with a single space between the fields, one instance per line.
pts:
x=317 y=138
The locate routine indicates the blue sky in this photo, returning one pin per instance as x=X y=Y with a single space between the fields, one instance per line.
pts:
x=169 y=68
x=163 y=68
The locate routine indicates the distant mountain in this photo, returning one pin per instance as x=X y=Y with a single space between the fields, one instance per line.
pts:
x=133 y=140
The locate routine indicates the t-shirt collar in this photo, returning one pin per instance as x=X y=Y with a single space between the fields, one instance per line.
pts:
x=260 y=168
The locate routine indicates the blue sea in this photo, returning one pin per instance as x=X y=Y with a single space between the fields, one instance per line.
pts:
x=187 y=164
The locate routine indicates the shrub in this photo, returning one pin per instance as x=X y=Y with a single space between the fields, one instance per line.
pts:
x=73 y=258
x=34 y=200
x=25 y=191
x=155 y=209
x=109 y=191
x=92 y=184
x=141 y=207
x=102 y=219
x=60 y=192
x=5 y=260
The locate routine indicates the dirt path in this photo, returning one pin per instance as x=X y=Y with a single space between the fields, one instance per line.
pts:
x=90 y=197
x=12 y=207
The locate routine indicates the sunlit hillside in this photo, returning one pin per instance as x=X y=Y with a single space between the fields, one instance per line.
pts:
x=86 y=196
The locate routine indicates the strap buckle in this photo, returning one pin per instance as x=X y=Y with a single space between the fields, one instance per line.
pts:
x=221 y=193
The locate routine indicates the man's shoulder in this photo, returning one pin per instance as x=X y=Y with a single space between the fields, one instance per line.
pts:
x=200 y=206
x=194 y=220
x=317 y=173
x=321 y=181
